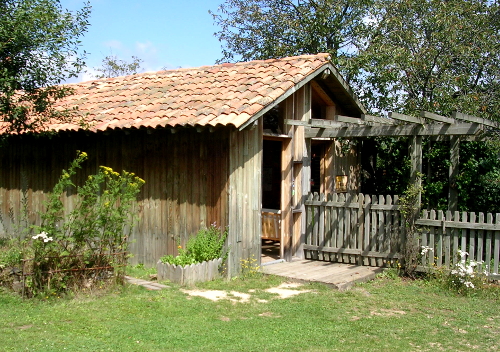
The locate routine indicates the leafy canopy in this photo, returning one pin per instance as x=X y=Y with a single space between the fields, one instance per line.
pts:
x=433 y=55
x=39 y=44
x=114 y=67
x=263 y=29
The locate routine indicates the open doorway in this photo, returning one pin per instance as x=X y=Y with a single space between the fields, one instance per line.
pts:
x=271 y=200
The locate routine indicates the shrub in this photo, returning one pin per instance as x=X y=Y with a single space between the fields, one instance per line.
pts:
x=208 y=244
x=93 y=235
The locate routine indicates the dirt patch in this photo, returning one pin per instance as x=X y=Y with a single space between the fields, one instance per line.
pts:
x=283 y=291
x=287 y=290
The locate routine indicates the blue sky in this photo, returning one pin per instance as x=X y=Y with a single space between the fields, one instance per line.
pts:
x=168 y=33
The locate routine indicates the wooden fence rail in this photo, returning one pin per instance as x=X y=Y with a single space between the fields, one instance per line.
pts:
x=369 y=230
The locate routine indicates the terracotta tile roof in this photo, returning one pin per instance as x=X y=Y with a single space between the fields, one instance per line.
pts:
x=227 y=94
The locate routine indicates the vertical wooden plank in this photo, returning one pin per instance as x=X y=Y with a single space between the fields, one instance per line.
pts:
x=373 y=230
x=416 y=162
x=347 y=229
x=432 y=240
x=286 y=191
x=440 y=240
x=447 y=242
x=380 y=229
x=315 y=241
x=489 y=220
x=472 y=237
x=423 y=240
x=480 y=240
x=463 y=241
x=321 y=229
x=367 y=227
x=453 y=173
x=496 y=247
x=328 y=222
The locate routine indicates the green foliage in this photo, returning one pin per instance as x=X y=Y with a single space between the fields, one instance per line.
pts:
x=12 y=252
x=409 y=207
x=263 y=29
x=464 y=277
x=433 y=55
x=114 y=67
x=249 y=268
x=208 y=244
x=93 y=235
x=39 y=44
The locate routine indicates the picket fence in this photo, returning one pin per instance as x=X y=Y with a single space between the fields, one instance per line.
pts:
x=369 y=230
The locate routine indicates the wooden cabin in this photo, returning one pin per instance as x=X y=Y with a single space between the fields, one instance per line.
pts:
x=220 y=144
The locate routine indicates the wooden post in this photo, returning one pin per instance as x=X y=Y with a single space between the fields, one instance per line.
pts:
x=453 y=173
x=416 y=163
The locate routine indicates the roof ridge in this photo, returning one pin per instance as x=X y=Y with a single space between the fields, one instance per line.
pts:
x=325 y=56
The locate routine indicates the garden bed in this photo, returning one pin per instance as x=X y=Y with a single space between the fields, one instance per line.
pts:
x=189 y=274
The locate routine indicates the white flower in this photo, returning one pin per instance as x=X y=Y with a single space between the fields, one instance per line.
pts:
x=469 y=284
x=43 y=236
x=426 y=249
x=462 y=254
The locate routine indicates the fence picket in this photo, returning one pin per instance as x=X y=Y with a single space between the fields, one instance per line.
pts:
x=472 y=237
x=496 y=247
x=423 y=240
x=480 y=240
x=366 y=235
x=447 y=241
x=489 y=220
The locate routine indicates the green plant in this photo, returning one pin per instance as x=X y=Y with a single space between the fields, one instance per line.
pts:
x=409 y=206
x=250 y=268
x=208 y=244
x=465 y=278
x=93 y=235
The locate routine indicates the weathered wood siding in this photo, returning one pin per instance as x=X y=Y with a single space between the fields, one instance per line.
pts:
x=245 y=183
x=186 y=176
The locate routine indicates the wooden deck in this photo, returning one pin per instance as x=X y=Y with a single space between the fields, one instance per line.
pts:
x=338 y=275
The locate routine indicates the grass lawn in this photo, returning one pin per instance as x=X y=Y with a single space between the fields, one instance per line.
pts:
x=383 y=315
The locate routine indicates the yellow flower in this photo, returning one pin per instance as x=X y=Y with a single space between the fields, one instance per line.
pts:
x=180 y=247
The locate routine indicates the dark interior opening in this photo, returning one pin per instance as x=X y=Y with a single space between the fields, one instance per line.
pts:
x=271 y=175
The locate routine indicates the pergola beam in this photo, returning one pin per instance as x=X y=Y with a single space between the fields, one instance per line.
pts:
x=435 y=117
x=377 y=119
x=398 y=130
x=406 y=118
x=464 y=117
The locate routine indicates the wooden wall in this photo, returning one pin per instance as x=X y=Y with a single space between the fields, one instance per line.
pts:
x=245 y=196
x=186 y=176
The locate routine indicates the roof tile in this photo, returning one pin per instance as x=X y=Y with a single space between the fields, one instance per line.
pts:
x=208 y=95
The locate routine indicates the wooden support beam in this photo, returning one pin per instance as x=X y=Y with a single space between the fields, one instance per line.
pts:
x=416 y=163
x=470 y=118
x=453 y=173
x=435 y=117
x=406 y=118
x=348 y=119
x=377 y=119
x=398 y=130
x=322 y=94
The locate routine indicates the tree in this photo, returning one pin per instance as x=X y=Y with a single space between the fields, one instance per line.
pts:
x=114 y=67
x=263 y=29
x=401 y=55
x=38 y=51
x=433 y=55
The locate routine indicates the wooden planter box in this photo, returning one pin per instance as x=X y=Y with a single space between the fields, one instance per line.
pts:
x=187 y=275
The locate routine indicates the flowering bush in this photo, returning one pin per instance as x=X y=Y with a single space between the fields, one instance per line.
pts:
x=464 y=278
x=93 y=235
x=208 y=244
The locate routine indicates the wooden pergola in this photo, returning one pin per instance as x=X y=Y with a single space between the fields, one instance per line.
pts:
x=458 y=127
